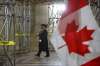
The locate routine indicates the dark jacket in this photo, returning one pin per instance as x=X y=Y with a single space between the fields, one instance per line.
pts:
x=43 y=44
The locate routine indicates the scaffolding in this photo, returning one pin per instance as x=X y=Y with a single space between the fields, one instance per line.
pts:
x=95 y=5
x=23 y=24
x=15 y=26
x=55 y=13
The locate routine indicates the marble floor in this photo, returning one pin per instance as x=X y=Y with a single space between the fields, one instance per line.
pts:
x=31 y=60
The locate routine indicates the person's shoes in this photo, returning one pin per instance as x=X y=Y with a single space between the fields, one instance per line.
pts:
x=47 y=56
x=37 y=55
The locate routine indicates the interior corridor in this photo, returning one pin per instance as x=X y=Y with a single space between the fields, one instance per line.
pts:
x=20 y=22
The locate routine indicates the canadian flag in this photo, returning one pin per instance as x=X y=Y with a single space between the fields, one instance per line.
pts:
x=77 y=38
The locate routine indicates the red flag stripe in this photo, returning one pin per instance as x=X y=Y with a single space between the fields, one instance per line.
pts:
x=74 y=5
x=94 y=62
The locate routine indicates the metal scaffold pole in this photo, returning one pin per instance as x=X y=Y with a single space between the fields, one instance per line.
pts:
x=54 y=14
x=23 y=25
x=15 y=28
x=6 y=30
x=95 y=6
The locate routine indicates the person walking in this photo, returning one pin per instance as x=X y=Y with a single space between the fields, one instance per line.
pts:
x=43 y=41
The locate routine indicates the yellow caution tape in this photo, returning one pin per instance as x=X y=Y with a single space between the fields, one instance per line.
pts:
x=21 y=34
x=7 y=43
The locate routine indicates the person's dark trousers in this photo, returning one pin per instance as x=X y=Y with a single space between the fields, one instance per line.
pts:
x=39 y=52
x=47 y=53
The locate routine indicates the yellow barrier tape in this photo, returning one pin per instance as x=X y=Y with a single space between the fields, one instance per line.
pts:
x=21 y=34
x=18 y=34
x=7 y=43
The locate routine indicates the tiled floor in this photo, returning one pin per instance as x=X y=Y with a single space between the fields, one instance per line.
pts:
x=31 y=60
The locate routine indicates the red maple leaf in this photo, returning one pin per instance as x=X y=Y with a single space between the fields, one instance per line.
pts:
x=74 y=39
